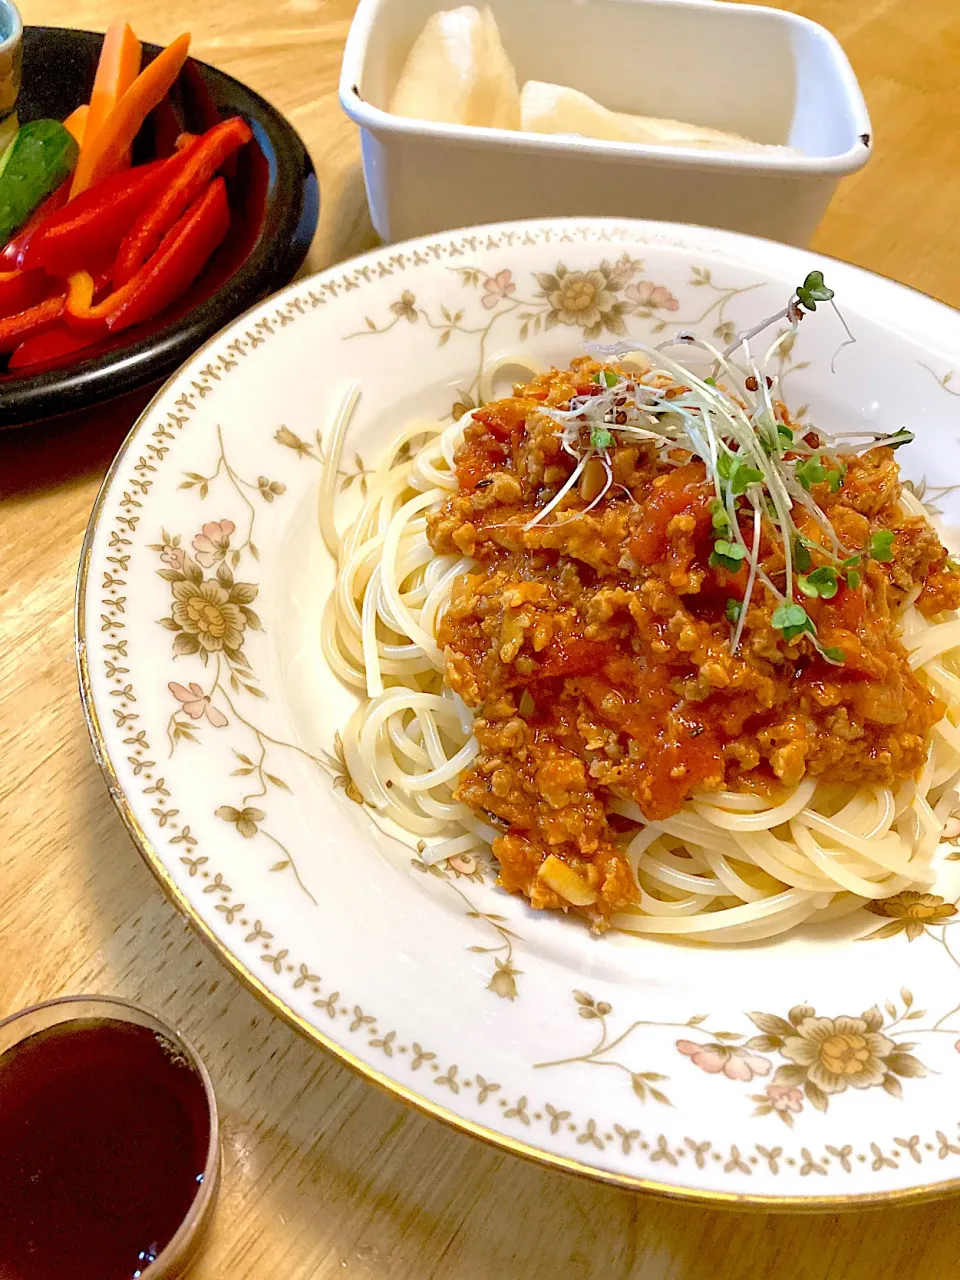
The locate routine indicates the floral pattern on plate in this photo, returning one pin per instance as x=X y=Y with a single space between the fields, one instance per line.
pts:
x=218 y=746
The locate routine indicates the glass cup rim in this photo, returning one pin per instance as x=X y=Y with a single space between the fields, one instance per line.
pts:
x=16 y=25
x=178 y=1249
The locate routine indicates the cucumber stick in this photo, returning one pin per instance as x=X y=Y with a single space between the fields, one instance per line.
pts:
x=41 y=156
x=8 y=131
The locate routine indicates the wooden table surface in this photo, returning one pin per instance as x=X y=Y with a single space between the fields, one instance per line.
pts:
x=324 y=1175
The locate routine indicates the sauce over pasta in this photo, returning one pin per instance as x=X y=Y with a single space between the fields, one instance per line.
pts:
x=594 y=644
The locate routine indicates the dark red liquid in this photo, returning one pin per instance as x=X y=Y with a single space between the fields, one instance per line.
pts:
x=104 y=1131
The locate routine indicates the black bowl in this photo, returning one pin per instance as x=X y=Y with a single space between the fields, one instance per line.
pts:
x=274 y=196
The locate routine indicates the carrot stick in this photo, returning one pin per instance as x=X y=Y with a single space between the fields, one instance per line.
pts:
x=117 y=69
x=107 y=148
x=76 y=123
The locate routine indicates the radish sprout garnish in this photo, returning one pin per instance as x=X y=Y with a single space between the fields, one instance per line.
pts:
x=761 y=469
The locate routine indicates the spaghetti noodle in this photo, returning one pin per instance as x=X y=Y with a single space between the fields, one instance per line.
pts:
x=725 y=864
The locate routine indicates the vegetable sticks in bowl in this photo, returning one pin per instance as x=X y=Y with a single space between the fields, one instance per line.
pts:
x=91 y=245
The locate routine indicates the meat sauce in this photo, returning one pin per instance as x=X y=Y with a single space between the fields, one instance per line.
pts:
x=595 y=648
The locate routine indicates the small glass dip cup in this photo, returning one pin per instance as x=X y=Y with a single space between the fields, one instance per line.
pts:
x=60 y=1019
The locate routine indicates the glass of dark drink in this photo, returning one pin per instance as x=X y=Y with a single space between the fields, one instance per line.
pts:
x=109 y=1144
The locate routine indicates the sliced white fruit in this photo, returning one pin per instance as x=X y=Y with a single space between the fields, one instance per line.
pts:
x=553 y=108
x=458 y=73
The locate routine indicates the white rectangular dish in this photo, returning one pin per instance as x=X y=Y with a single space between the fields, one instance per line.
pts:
x=768 y=75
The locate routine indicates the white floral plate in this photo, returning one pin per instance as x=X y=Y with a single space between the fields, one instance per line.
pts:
x=821 y=1069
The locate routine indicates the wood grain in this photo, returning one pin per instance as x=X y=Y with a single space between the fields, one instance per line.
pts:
x=325 y=1176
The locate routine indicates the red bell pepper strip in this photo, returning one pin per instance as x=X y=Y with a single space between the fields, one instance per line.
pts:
x=45 y=348
x=12 y=253
x=22 y=289
x=176 y=264
x=198 y=104
x=14 y=329
x=182 y=255
x=163 y=126
x=91 y=227
x=203 y=159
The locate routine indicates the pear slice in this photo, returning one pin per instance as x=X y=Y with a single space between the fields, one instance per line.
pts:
x=458 y=73
x=553 y=108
